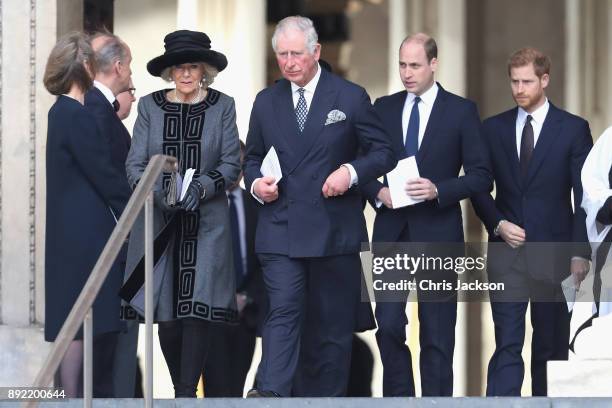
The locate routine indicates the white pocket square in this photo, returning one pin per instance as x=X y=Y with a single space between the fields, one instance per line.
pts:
x=334 y=116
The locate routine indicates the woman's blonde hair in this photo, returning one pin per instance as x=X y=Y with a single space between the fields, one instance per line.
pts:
x=68 y=63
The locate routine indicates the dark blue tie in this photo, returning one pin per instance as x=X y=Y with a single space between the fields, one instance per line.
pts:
x=235 y=226
x=412 y=133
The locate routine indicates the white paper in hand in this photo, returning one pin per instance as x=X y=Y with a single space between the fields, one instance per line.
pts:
x=405 y=170
x=568 y=285
x=184 y=183
x=270 y=166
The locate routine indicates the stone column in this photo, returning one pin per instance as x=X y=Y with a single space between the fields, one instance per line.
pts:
x=27 y=35
x=237 y=28
x=398 y=30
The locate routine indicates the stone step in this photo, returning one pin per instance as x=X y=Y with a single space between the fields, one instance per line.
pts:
x=580 y=378
x=463 y=402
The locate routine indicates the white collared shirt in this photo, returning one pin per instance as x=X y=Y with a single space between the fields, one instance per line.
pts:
x=537 y=121
x=108 y=94
x=427 y=101
x=236 y=193
x=309 y=89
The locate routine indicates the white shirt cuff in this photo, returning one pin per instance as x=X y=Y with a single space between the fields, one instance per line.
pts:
x=579 y=258
x=378 y=203
x=351 y=170
x=253 y=192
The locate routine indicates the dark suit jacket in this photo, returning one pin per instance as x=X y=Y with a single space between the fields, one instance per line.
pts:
x=301 y=222
x=113 y=133
x=541 y=204
x=110 y=126
x=452 y=139
x=83 y=187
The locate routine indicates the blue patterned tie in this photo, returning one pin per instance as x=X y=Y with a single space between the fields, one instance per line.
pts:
x=412 y=133
x=301 y=110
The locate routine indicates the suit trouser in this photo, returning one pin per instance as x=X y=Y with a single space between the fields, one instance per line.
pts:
x=125 y=361
x=125 y=364
x=228 y=363
x=103 y=356
x=550 y=321
x=320 y=294
x=437 y=312
x=437 y=340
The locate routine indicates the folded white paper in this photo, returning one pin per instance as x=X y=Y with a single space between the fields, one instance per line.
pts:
x=405 y=170
x=270 y=166
x=184 y=183
x=568 y=285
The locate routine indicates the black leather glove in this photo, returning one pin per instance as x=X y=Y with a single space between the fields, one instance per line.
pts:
x=159 y=197
x=195 y=193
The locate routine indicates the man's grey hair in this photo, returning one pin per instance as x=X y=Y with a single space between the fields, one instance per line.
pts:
x=113 y=49
x=210 y=73
x=303 y=24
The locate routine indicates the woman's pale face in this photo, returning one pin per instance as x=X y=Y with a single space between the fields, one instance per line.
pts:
x=187 y=78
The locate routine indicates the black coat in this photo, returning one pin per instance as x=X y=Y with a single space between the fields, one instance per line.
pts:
x=84 y=190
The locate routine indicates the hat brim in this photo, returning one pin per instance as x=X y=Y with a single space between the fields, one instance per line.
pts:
x=214 y=58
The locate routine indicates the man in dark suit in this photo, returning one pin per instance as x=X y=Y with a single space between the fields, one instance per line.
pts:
x=227 y=366
x=538 y=151
x=311 y=224
x=125 y=366
x=113 y=77
x=443 y=131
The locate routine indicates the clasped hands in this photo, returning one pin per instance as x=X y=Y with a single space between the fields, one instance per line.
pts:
x=337 y=183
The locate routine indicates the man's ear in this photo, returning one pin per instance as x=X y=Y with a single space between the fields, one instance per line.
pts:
x=118 y=66
x=433 y=64
x=317 y=51
x=544 y=80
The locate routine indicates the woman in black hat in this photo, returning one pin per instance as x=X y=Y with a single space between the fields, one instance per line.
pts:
x=194 y=277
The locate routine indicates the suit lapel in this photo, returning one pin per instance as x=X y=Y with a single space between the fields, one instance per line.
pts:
x=435 y=118
x=550 y=129
x=96 y=93
x=508 y=140
x=321 y=105
x=397 y=132
x=285 y=117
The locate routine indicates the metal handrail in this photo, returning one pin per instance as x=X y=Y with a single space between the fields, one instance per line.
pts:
x=142 y=195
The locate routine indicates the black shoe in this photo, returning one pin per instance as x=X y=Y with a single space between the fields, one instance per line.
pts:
x=255 y=393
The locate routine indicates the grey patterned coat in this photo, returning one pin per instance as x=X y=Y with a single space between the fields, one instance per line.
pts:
x=194 y=274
